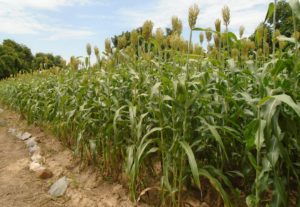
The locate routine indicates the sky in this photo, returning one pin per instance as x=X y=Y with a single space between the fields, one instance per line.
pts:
x=64 y=27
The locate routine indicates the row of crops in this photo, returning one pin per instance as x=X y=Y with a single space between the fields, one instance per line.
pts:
x=177 y=119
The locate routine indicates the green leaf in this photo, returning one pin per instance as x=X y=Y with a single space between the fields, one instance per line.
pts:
x=249 y=134
x=280 y=195
x=117 y=114
x=155 y=89
x=130 y=158
x=139 y=127
x=141 y=153
x=281 y=65
x=274 y=151
x=270 y=110
x=217 y=137
x=192 y=162
x=150 y=132
x=204 y=29
x=252 y=160
x=260 y=137
x=270 y=11
x=289 y=101
x=217 y=186
x=231 y=36
x=251 y=201
x=167 y=98
x=264 y=100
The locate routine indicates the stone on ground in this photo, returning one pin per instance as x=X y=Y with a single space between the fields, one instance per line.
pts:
x=59 y=187
x=31 y=142
x=34 y=149
x=19 y=135
x=25 y=136
x=35 y=167
x=36 y=157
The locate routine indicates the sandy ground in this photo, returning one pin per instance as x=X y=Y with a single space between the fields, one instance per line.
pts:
x=19 y=187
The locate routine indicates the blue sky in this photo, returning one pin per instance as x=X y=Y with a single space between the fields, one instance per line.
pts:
x=65 y=26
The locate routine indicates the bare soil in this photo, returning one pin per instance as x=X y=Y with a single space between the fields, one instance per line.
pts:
x=19 y=187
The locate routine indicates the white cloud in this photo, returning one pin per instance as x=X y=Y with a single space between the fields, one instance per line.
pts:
x=42 y=4
x=64 y=33
x=243 y=12
x=17 y=17
x=17 y=21
x=160 y=13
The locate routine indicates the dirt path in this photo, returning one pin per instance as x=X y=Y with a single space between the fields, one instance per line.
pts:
x=19 y=187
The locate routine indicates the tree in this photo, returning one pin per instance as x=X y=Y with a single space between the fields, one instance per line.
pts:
x=284 y=23
x=14 y=58
x=284 y=19
x=47 y=61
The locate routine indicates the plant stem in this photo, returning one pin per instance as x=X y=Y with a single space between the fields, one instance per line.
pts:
x=257 y=161
x=274 y=29
x=296 y=44
x=188 y=55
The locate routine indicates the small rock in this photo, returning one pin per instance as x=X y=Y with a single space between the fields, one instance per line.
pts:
x=34 y=149
x=59 y=187
x=25 y=136
x=19 y=135
x=45 y=174
x=31 y=142
x=36 y=167
x=36 y=157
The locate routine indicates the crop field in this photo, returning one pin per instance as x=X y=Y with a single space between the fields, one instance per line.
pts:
x=180 y=122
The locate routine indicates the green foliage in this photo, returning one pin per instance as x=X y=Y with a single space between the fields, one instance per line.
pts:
x=14 y=58
x=284 y=19
x=47 y=61
x=17 y=58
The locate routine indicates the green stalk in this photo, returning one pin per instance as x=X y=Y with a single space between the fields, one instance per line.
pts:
x=162 y=146
x=264 y=51
x=188 y=55
x=274 y=28
x=258 y=162
x=296 y=45
x=174 y=140
x=219 y=46
x=182 y=163
x=227 y=38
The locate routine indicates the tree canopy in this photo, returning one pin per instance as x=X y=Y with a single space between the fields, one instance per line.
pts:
x=15 y=58
x=284 y=19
